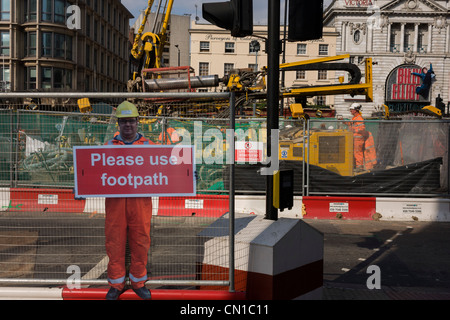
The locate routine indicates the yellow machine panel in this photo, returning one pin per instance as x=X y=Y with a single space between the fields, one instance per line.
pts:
x=331 y=150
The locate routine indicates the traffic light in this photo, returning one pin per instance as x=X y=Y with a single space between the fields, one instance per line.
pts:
x=305 y=20
x=283 y=189
x=440 y=103
x=234 y=15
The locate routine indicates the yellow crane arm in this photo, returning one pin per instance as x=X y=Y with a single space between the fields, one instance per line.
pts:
x=151 y=44
x=137 y=51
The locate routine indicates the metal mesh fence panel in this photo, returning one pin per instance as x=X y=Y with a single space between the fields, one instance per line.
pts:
x=400 y=158
x=46 y=234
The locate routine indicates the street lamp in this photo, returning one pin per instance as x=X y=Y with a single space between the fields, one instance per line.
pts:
x=256 y=47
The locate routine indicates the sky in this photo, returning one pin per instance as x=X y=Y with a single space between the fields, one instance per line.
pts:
x=181 y=7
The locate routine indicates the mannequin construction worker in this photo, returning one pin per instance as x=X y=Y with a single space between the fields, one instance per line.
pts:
x=127 y=218
x=357 y=127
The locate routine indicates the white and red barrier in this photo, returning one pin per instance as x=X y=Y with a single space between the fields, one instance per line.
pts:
x=314 y=207
x=33 y=199
x=265 y=266
x=354 y=208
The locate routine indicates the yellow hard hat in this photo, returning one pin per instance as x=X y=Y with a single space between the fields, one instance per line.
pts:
x=127 y=110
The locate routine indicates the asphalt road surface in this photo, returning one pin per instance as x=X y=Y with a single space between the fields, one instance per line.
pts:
x=407 y=254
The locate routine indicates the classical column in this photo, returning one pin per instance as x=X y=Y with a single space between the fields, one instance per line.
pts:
x=416 y=37
x=430 y=37
x=389 y=37
x=402 y=37
x=344 y=36
x=447 y=29
x=369 y=39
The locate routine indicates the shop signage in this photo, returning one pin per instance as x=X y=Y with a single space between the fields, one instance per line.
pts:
x=401 y=84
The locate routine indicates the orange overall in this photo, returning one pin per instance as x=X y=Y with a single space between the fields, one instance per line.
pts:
x=370 y=154
x=358 y=140
x=127 y=218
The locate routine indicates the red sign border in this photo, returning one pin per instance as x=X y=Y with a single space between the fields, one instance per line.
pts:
x=81 y=196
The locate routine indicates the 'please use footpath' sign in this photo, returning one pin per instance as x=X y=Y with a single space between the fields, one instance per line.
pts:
x=134 y=171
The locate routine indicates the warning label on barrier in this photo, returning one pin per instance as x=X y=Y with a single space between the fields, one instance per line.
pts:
x=134 y=171
x=249 y=151
x=193 y=203
x=47 y=199
x=410 y=208
x=338 y=206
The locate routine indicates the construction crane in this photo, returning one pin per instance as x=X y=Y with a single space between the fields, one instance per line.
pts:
x=148 y=47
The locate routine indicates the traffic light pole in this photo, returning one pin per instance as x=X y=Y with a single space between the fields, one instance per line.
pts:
x=273 y=87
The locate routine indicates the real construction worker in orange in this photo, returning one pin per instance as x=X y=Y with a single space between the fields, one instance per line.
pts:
x=370 y=153
x=127 y=218
x=357 y=127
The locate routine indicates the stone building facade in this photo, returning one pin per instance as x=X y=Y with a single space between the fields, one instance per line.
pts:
x=215 y=51
x=401 y=36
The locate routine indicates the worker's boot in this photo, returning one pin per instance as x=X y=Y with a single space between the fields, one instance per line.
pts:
x=113 y=294
x=143 y=293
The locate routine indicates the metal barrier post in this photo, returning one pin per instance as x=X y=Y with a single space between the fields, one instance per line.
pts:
x=231 y=191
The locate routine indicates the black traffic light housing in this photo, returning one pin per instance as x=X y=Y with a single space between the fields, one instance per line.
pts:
x=233 y=15
x=305 y=20
x=283 y=189
x=440 y=103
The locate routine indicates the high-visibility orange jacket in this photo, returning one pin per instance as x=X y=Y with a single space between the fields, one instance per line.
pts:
x=127 y=218
x=140 y=139
x=169 y=137
x=370 y=154
x=357 y=126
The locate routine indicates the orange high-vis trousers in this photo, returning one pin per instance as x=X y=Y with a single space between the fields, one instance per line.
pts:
x=358 y=151
x=127 y=218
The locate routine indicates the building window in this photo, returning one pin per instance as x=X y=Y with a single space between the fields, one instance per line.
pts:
x=323 y=49
x=4 y=43
x=204 y=46
x=300 y=75
x=56 y=78
x=88 y=56
x=54 y=11
x=102 y=34
x=31 y=44
x=203 y=68
x=394 y=45
x=47 y=44
x=422 y=47
x=95 y=31
x=31 y=78
x=253 y=66
x=301 y=48
x=5 y=10
x=322 y=75
x=321 y=100
x=88 y=25
x=227 y=68
x=56 y=45
x=229 y=47
x=357 y=37
x=31 y=10
x=5 y=80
